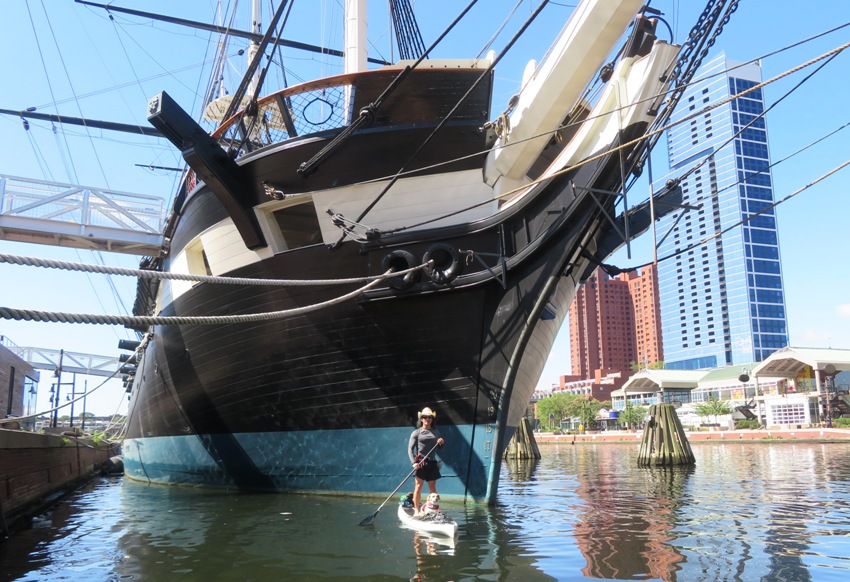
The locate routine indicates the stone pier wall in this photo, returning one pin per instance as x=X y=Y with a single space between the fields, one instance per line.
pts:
x=37 y=467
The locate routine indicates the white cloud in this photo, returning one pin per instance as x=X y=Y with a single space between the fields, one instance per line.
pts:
x=843 y=310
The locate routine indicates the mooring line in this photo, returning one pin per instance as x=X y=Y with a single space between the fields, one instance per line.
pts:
x=161 y=275
x=134 y=321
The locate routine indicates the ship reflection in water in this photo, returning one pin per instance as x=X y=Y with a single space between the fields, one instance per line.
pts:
x=745 y=512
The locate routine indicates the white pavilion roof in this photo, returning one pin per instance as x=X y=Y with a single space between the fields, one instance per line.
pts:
x=654 y=380
x=787 y=362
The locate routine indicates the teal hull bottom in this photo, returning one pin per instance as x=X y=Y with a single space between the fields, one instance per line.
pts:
x=349 y=462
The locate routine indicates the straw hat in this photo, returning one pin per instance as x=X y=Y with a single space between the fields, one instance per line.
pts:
x=427 y=412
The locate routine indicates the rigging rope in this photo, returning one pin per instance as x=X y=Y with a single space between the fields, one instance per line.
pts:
x=649 y=99
x=633 y=142
x=761 y=115
x=752 y=174
x=61 y=406
x=367 y=114
x=132 y=321
x=209 y=279
x=449 y=115
x=408 y=36
x=47 y=77
x=160 y=275
x=707 y=239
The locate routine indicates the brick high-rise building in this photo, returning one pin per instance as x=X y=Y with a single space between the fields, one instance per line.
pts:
x=614 y=322
x=643 y=289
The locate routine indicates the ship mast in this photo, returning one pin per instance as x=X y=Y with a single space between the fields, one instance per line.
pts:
x=256 y=28
x=355 y=36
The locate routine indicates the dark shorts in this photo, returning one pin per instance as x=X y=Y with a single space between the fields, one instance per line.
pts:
x=430 y=472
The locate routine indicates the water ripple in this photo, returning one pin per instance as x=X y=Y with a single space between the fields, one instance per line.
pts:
x=744 y=512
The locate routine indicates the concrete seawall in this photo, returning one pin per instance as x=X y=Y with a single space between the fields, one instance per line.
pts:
x=764 y=435
x=36 y=469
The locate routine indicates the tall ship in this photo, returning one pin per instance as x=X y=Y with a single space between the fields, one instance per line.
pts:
x=390 y=242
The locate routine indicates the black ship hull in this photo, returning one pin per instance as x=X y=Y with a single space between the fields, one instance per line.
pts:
x=341 y=385
x=324 y=400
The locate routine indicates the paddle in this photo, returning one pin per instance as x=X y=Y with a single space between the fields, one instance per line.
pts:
x=372 y=517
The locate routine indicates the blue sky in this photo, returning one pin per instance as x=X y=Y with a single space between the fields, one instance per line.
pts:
x=107 y=69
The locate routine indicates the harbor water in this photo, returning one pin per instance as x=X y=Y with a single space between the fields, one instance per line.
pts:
x=745 y=511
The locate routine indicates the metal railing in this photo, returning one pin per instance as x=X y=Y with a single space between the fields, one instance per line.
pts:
x=71 y=362
x=80 y=216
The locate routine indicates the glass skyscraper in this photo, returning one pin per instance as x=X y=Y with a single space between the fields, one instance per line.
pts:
x=722 y=302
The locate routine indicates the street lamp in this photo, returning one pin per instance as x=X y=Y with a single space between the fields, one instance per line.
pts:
x=748 y=405
x=743 y=379
x=58 y=374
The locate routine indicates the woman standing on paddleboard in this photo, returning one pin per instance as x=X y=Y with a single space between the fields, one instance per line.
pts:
x=422 y=440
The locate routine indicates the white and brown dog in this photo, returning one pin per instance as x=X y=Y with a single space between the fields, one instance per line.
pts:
x=432 y=504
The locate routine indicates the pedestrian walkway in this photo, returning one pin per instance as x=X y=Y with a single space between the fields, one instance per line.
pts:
x=764 y=435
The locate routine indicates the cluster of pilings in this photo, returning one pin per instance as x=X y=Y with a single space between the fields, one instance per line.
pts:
x=664 y=442
x=522 y=445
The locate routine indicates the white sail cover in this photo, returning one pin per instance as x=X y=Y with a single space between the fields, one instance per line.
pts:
x=575 y=58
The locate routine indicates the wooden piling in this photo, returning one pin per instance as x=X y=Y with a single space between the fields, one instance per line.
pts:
x=522 y=445
x=664 y=442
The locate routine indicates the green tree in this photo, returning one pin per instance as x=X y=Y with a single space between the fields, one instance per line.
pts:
x=632 y=416
x=637 y=367
x=588 y=409
x=555 y=405
x=576 y=405
x=713 y=407
x=562 y=405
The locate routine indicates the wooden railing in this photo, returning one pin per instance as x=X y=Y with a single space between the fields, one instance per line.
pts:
x=304 y=109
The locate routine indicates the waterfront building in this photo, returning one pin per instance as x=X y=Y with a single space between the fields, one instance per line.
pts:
x=643 y=291
x=649 y=387
x=18 y=384
x=722 y=300
x=601 y=324
x=813 y=385
x=614 y=325
x=787 y=389
x=598 y=387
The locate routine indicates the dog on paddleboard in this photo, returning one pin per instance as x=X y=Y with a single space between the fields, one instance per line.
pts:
x=431 y=505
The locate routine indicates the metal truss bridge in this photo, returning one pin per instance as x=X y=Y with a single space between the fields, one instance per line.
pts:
x=70 y=362
x=83 y=217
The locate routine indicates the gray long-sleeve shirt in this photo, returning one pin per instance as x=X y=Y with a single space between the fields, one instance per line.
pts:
x=422 y=440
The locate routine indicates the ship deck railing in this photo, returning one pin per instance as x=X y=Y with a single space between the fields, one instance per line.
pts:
x=304 y=109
